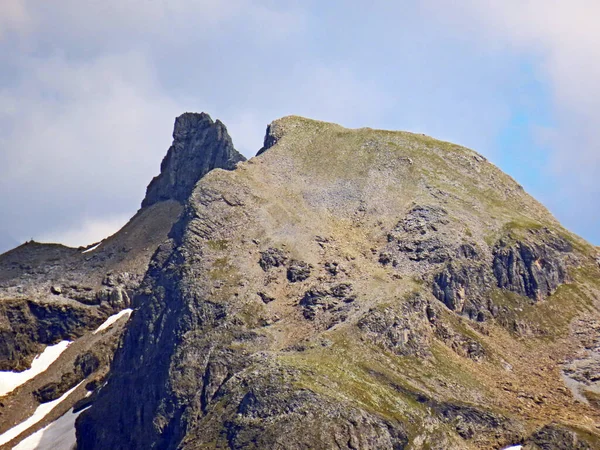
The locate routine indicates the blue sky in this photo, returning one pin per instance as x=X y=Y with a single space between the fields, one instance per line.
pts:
x=89 y=91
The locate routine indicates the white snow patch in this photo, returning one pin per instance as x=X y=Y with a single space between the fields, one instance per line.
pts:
x=112 y=319
x=11 y=380
x=41 y=412
x=514 y=447
x=92 y=248
x=59 y=435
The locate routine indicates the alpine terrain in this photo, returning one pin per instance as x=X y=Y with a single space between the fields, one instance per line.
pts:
x=344 y=289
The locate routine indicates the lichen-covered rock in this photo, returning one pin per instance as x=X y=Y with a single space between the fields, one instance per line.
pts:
x=405 y=330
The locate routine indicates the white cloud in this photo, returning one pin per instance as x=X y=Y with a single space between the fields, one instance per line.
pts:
x=110 y=24
x=14 y=17
x=83 y=138
x=86 y=232
x=563 y=39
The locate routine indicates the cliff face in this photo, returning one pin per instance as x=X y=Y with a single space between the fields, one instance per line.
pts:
x=199 y=145
x=356 y=289
x=51 y=293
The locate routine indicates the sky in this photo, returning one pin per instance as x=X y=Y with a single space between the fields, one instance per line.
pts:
x=89 y=92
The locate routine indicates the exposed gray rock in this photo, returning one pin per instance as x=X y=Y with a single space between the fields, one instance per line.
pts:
x=470 y=421
x=416 y=238
x=199 y=145
x=272 y=257
x=461 y=287
x=404 y=330
x=532 y=269
x=332 y=267
x=335 y=301
x=298 y=271
x=270 y=417
x=554 y=437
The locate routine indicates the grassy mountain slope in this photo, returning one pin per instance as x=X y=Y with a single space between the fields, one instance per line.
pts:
x=358 y=289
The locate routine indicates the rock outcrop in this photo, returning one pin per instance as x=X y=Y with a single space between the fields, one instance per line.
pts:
x=533 y=269
x=199 y=146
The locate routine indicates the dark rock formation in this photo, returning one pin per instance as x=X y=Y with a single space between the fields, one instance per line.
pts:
x=270 y=140
x=32 y=324
x=272 y=257
x=533 y=266
x=335 y=301
x=532 y=269
x=556 y=437
x=266 y=298
x=199 y=145
x=54 y=390
x=404 y=330
x=298 y=271
x=461 y=287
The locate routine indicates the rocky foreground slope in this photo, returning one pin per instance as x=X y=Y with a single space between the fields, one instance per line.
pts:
x=352 y=289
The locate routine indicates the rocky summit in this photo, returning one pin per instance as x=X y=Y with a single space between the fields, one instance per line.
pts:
x=347 y=289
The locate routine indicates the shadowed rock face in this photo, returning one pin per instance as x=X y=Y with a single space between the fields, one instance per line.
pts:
x=32 y=324
x=534 y=269
x=199 y=145
x=552 y=437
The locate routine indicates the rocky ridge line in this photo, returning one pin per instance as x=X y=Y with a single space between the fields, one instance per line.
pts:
x=199 y=145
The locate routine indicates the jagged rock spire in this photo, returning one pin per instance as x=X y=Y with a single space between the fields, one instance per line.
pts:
x=199 y=145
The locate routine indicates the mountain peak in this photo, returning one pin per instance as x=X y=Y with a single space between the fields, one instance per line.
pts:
x=350 y=288
x=199 y=145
